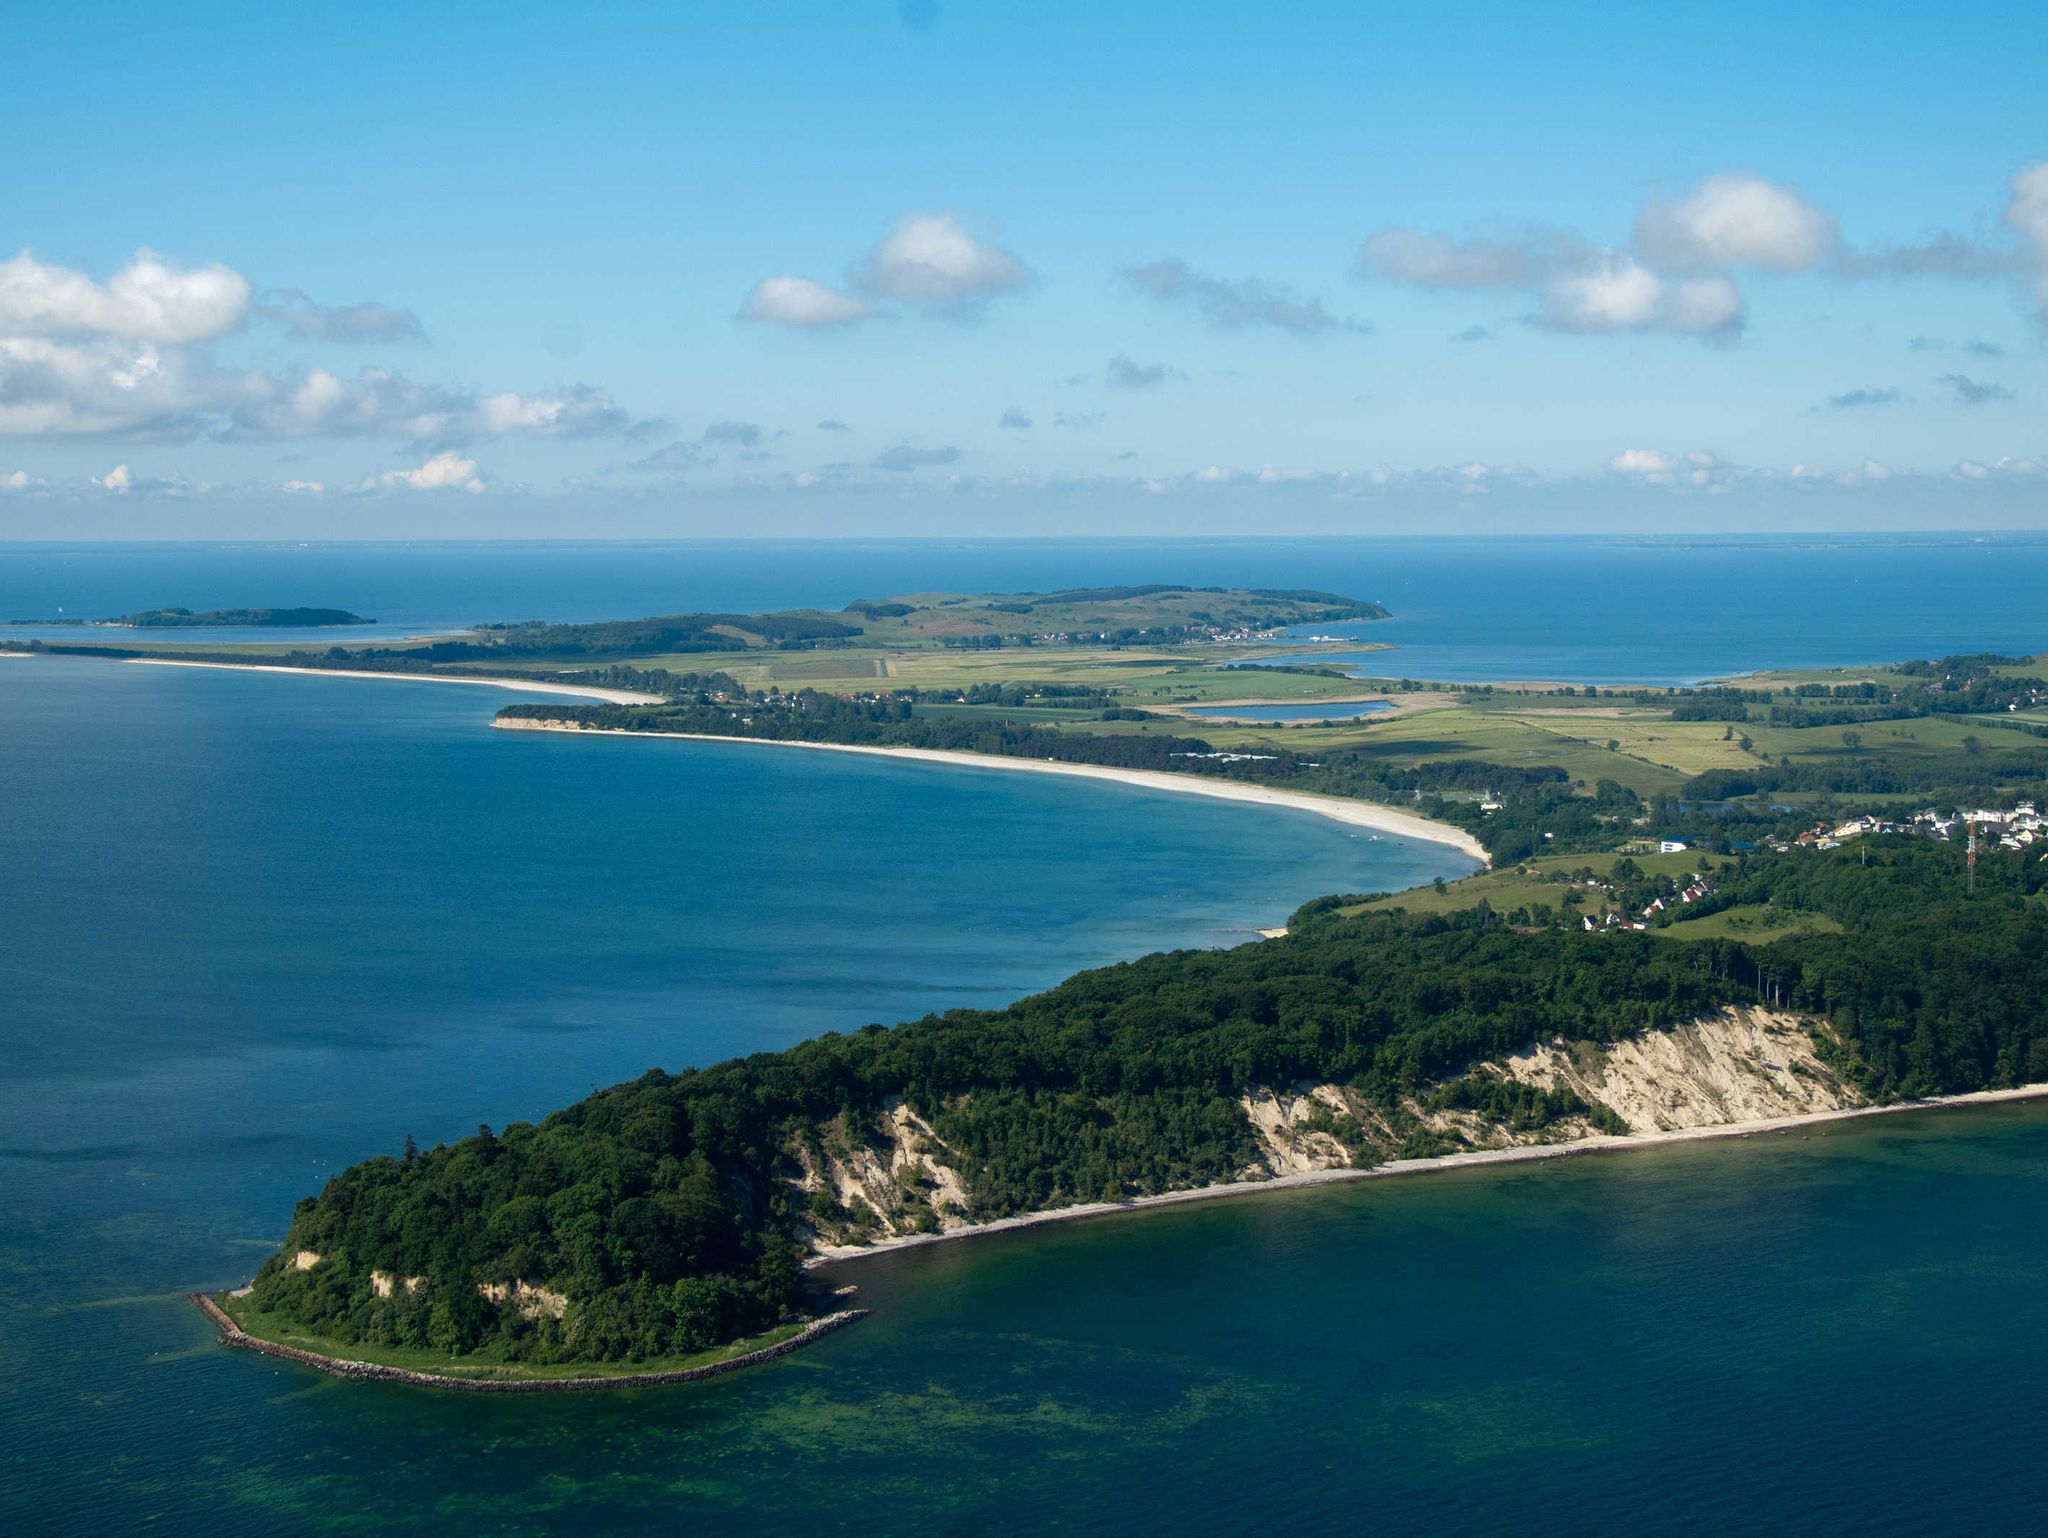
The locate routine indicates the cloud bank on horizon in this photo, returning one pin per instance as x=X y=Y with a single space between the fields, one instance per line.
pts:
x=959 y=306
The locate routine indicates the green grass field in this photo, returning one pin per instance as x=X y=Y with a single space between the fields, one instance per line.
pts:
x=1756 y=923
x=1528 y=883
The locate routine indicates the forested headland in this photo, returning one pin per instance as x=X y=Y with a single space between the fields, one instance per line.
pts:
x=672 y=1213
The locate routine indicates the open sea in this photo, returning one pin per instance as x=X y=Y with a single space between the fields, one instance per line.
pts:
x=254 y=928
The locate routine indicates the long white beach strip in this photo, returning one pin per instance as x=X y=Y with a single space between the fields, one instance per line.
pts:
x=1361 y=814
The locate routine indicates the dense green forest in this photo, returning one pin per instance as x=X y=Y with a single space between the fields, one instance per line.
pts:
x=664 y=1209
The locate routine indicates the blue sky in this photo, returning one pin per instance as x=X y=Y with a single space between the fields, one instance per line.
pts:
x=1315 y=268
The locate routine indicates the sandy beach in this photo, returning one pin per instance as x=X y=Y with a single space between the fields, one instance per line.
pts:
x=582 y=691
x=1359 y=814
x=1395 y=1167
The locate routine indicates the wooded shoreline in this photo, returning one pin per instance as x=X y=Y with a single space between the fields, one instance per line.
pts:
x=1471 y=1159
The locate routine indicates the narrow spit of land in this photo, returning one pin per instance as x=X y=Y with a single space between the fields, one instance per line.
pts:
x=1361 y=814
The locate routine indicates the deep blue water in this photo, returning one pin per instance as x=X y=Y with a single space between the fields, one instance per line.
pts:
x=1590 y=610
x=1325 y=712
x=254 y=927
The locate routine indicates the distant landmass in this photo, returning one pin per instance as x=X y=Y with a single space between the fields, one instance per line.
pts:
x=212 y=619
x=170 y=619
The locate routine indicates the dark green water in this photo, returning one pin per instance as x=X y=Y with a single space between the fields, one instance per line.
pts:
x=1838 y=1335
x=253 y=928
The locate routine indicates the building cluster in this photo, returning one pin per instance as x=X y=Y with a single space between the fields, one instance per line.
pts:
x=1698 y=885
x=2014 y=829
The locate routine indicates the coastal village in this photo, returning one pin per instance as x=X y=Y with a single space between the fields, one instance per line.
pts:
x=2014 y=829
x=2018 y=827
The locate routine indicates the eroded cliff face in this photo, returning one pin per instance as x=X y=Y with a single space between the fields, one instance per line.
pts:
x=892 y=1178
x=896 y=1177
x=1738 y=1065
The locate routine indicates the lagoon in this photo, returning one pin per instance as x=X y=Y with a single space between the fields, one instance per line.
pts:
x=1342 y=710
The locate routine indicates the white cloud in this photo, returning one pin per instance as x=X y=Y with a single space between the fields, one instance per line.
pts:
x=116 y=479
x=111 y=388
x=2028 y=214
x=788 y=300
x=1735 y=219
x=1620 y=294
x=125 y=360
x=927 y=260
x=1998 y=469
x=101 y=386
x=1572 y=286
x=298 y=488
x=580 y=411
x=149 y=300
x=931 y=259
x=1675 y=279
x=1654 y=467
x=1652 y=464
x=445 y=471
x=18 y=480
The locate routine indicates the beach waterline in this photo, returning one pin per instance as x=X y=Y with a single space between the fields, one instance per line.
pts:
x=1359 y=814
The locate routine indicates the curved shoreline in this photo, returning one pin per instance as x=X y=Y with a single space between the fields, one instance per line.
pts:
x=1361 y=814
x=1598 y=1143
x=581 y=691
x=234 y=1336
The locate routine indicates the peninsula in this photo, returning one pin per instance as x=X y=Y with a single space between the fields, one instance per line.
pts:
x=666 y=1217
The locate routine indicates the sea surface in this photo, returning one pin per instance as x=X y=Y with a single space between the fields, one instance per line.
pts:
x=256 y=927
x=1583 y=610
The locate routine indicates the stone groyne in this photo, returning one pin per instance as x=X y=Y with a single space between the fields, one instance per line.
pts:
x=232 y=1334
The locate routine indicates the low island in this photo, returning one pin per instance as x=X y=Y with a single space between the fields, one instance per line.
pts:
x=218 y=619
